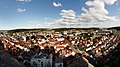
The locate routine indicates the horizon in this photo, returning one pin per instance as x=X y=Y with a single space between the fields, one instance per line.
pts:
x=30 y=14
x=58 y=28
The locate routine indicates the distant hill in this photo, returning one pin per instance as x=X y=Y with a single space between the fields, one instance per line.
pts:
x=56 y=29
x=22 y=30
x=117 y=28
x=76 y=29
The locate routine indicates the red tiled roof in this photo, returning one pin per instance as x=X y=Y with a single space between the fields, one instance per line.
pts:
x=60 y=47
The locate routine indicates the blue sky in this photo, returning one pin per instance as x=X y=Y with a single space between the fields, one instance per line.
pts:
x=16 y=14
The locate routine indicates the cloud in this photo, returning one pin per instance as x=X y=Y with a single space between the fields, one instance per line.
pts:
x=97 y=11
x=57 y=4
x=24 y=0
x=21 y=10
x=111 y=2
x=95 y=16
x=68 y=16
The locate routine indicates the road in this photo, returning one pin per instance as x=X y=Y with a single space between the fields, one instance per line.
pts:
x=78 y=51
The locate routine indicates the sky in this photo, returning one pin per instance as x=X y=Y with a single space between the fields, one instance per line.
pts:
x=15 y=14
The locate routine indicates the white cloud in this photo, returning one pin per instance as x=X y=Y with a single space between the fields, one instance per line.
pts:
x=97 y=11
x=95 y=16
x=110 y=1
x=21 y=10
x=57 y=4
x=24 y=0
x=68 y=16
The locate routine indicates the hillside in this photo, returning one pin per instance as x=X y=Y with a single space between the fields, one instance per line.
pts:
x=117 y=28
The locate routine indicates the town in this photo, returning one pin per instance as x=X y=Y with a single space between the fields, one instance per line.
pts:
x=59 y=33
x=60 y=48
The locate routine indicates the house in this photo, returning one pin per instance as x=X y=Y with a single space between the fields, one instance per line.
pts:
x=42 y=60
